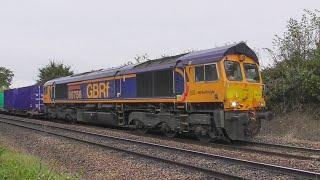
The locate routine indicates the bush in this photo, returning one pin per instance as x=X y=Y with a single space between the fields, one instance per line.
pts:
x=294 y=78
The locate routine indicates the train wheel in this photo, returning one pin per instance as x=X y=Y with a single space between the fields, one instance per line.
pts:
x=167 y=131
x=203 y=135
x=140 y=127
x=204 y=138
x=70 y=119
x=170 y=134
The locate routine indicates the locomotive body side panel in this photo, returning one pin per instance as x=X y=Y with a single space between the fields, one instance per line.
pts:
x=100 y=90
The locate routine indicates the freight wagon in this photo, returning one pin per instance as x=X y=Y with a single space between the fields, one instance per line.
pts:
x=25 y=100
x=1 y=101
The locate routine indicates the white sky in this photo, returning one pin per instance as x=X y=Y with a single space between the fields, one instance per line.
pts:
x=99 y=34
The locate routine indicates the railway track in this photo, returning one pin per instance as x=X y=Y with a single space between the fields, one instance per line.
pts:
x=292 y=172
x=44 y=129
x=296 y=152
x=301 y=153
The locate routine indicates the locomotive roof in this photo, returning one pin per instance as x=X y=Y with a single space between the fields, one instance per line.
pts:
x=197 y=57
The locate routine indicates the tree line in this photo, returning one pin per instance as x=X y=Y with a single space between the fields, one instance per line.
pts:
x=292 y=80
x=51 y=71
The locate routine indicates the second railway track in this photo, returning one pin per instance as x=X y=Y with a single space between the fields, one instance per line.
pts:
x=182 y=157
x=300 y=153
x=303 y=153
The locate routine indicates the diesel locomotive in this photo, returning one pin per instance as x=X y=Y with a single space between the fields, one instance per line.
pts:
x=213 y=94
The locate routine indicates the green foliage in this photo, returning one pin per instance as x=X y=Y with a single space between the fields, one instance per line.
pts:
x=20 y=166
x=6 y=76
x=294 y=78
x=53 y=70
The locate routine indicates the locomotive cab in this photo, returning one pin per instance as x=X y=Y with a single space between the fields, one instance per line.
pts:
x=231 y=90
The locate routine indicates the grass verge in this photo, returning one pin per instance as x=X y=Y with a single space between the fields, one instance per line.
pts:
x=15 y=165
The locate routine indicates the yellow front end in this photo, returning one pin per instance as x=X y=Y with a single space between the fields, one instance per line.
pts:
x=244 y=100
x=243 y=85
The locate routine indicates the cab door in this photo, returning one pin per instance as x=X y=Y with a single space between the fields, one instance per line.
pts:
x=205 y=84
x=117 y=85
x=47 y=94
x=53 y=92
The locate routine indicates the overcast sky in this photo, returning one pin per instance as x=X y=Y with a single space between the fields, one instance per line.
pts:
x=99 y=34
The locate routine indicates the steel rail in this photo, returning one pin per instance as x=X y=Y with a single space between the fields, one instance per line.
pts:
x=293 y=148
x=283 y=153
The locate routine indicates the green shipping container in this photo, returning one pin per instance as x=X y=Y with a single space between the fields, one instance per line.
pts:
x=1 y=100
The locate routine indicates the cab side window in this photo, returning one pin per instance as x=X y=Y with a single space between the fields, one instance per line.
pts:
x=206 y=73
x=211 y=73
x=199 y=73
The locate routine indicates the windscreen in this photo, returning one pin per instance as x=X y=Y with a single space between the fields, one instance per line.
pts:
x=251 y=72
x=233 y=70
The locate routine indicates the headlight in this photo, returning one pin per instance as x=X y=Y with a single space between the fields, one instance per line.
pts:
x=234 y=104
x=261 y=104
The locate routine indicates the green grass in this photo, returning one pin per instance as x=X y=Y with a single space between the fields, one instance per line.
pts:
x=18 y=166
